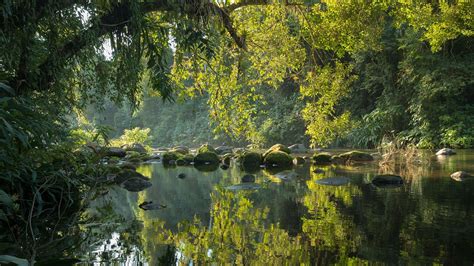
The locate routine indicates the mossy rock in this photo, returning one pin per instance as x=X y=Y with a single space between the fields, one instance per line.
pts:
x=322 y=158
x=188 y=158
x=125 y=174
x=180 y=162
x=251 y=159
x=278 y=158
x=356 y=156
x=277 y=147
x=180 y=149
x=299 y=160
x=206 y=148
x=206 y=158
x=168 y=157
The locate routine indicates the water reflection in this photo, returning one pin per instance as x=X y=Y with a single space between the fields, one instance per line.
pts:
x=287 y=217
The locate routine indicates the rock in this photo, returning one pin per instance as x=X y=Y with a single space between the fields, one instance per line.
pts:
x=306 y=158
x=298 y=160
x=251 y=160
x=277 y=147
x=322 y=158
x=181 y=176
x=298 y=148
x=180 y=162
x=355 y=156
x=461 y=176
x=224 y=166
x=278 y=158
x=169 y=156
x=128 y=165
x=387 y=180
x=155 y=156
x=244 y=186
x=206 y=158
x=333 y=181
x=238 y=151
x=180 y=149
x=149 y=205
x=116 y=152
x=135 y=184
x=206 y=148
x=223 y=149
x=247 y=179
x=137 y=147
x=318 y=171
x=446 y=151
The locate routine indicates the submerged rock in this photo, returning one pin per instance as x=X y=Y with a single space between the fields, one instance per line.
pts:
x=461 y=176
x=387 y=180
x=244 y=186
x=248 y=179
x=446 y=151
x=333 y=181
x=278 y=159
x=149 y=205
x=277 y=147
x=181 y=176
x=322 y=158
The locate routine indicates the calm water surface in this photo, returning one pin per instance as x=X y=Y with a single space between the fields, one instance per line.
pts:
x=210 y=217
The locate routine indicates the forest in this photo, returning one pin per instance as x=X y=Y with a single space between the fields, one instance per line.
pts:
x=80 y=80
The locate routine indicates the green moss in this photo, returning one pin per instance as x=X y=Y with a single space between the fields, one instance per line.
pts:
x=251 y=159
x=278 y=158
x=206 y=148
x=206 y=158
x=167 y=157
x=322 y=158
x=277 y=147
x=357 y=156
x=180 y=149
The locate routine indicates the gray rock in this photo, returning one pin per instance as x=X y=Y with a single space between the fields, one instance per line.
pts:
x=244 y=186
x=461 y=176
x=180 y=149
x=333 y=181
x=135 y=147
x=446 y=151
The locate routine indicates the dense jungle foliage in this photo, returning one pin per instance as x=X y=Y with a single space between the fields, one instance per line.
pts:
x=340 y=73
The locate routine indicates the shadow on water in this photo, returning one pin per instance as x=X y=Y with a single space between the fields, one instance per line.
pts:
x=330 y=214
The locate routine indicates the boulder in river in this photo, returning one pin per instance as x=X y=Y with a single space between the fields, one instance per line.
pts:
x=206 y=148
x=277 y=147
x=278 y=159
x=251 y=160
x=248 y=179
x=169 y=157
x=446 y=151
x=207 y=157
x=387 y=180
x=322 y=158
x=461 y=176
x=333 y=181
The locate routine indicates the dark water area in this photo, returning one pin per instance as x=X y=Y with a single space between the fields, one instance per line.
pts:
x=291 y=217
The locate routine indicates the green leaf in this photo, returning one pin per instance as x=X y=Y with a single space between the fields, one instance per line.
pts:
x=5 y=199
x=7 y=89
